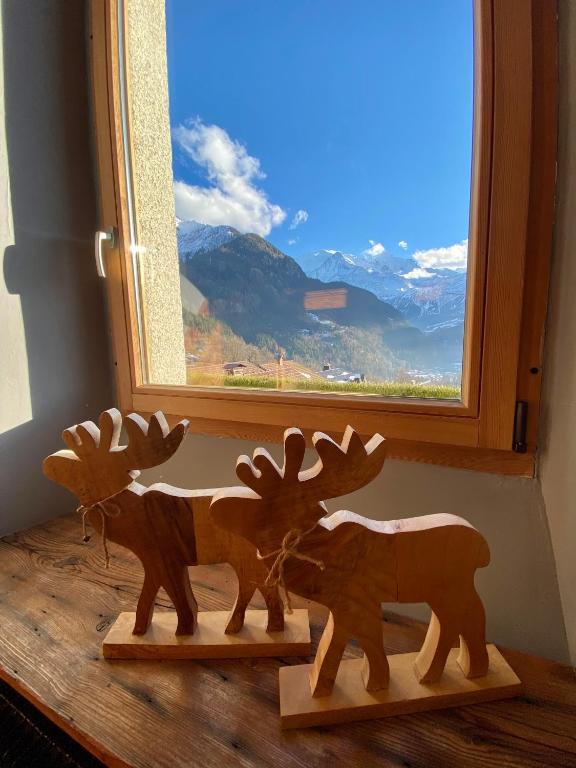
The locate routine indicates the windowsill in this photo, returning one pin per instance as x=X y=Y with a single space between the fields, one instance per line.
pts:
x=229 y=424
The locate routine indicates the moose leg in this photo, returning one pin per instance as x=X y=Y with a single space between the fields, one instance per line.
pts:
x=328 y=656
x=275 y=609
x=473 y=656
x=245 y=591
x=177 y=585
x=145 y=607
x=430 y=662
x=375 y=670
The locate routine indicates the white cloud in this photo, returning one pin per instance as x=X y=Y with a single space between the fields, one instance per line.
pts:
x=403 y=244
x=293 y=242
x=417 y=273
x=300 y=217
x=450 y=257
x=375 y=249
x=232 y=197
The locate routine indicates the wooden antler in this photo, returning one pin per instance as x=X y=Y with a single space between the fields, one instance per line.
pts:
x=341 y=467
x=99 y=467
x=345 y=467
x=151 y=443
x=87 y=440
x=263 y=475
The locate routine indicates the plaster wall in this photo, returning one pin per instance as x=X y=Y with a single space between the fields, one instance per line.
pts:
x=558 y=427
x=54 y=365
x=156 y=251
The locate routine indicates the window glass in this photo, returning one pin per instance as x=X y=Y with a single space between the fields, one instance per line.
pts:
x=301 y=179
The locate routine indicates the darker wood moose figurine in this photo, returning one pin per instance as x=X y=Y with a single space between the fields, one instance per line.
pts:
x=167 y=528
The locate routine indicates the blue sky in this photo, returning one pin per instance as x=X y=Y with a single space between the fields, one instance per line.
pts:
x=355 y=113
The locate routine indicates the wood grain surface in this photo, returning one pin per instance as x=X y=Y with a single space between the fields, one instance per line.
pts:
x=57 y=602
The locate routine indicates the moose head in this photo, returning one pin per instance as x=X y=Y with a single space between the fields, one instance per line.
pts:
x=95 y=467
x=281 y=499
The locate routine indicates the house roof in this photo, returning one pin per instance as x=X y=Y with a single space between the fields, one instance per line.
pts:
x=288 y=369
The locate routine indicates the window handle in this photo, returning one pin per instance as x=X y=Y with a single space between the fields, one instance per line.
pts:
x=107 y=236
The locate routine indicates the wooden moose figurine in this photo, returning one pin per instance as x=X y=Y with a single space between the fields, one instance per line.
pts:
x=166 y=527
x=352 y=564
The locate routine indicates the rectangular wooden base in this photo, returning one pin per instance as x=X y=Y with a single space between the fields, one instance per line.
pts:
x=350 y=701
x=209 y=641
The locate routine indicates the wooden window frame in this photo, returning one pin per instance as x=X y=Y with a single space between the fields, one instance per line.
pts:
x=512 y=211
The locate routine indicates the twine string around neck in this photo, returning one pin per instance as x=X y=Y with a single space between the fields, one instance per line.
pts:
x=288 y=548
x=104 y=512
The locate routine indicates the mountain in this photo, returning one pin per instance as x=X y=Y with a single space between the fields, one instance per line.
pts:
x=436 y=301
x=328 y=308
x=255 y=288
x=327 y=266
x=266 y=299
x=192 y=237
x=429 y=299
x=325 y=262
x=387 y=262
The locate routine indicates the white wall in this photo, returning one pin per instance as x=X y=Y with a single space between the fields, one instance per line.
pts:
x=15 y=402
x=558 y=465
x=54 y=368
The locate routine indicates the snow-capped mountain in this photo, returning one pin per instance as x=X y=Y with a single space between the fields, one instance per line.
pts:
x=325 y=262
x=396 y=312
x=430 y=299
x=434 y=302
x=386 y=262
x=330 y=266
x=193 y=237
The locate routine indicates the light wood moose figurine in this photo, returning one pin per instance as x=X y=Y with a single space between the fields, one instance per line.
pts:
x=351 y=565
x=167 y=528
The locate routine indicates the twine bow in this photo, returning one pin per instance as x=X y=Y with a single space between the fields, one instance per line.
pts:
x=289 y=548
x=83 y=509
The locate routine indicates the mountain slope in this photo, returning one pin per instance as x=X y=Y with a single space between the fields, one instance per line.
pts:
x=329 y=266
x=255 y=288
x=267 y=300
x=193 y=237
x=433 y=300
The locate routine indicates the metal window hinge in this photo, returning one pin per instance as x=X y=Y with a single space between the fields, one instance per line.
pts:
x=520 y=418
x=107 y=236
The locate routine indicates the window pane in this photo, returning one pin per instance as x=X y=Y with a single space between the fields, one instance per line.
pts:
x=319 y=156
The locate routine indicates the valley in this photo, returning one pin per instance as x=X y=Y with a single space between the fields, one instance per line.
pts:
x=324 y=320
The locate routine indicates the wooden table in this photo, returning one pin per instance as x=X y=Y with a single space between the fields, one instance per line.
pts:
x=57 y=602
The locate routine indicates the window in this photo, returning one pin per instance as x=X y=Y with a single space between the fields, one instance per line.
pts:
x=357 y=131
x=230 y=300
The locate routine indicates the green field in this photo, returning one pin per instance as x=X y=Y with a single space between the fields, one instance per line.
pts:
x=384 y=388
